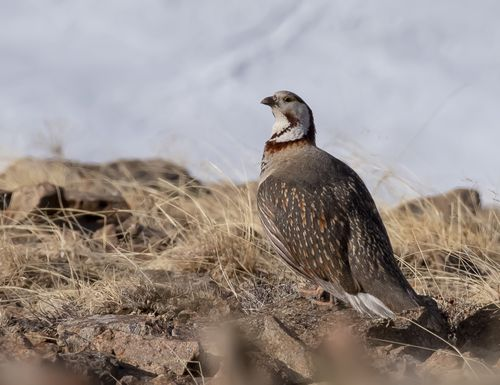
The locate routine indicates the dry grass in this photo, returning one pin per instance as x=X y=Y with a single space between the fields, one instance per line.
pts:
x=456 y=259
x=55 y=270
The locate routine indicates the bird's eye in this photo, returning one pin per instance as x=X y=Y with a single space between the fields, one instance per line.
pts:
x=287 y=99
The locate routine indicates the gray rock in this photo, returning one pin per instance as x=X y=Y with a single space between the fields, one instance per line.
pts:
x=480 y=334
x=278 y=343
x=152 y=354
x=130 y=340
x=442 y=361
x=29 y=199
x=95 y=178
x=34 y=374
x=448 y=204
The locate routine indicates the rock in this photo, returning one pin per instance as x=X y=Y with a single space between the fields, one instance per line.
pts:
x=129 y=339
x=15 y=346
x=448 y=204
x=161 y=380
x=29 y=374
x=90 y=210
x=29 y=199
x=420 y=331
x=480 y=334
x=278 y=343
x=476 y=366
x=129 y=380
x=241 y=354
x=442 y=361
x=30 y=171
x=95 y=211
x=151 y=354
x=148 y=172
x=26 y=347
x=77 y=335
x=343 y=355
x=107 y=236
x=450 y=365
x=96 y=178
x=94 y=202
x=44 y=347
x=97 y=367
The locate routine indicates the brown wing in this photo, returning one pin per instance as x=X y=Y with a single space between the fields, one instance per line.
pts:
x=370 y=252
x=307 y=231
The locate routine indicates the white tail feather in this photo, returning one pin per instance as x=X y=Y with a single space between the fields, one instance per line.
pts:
x=370 y=305
x=363 y=302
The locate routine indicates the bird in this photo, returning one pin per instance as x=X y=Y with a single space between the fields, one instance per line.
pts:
x=321 y=219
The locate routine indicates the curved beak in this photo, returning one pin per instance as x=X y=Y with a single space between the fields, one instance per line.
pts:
x=269 y=101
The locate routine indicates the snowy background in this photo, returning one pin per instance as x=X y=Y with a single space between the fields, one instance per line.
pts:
x=403 y=91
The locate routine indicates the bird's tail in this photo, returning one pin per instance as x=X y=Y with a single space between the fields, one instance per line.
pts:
x=362 y=302
x=370 y=305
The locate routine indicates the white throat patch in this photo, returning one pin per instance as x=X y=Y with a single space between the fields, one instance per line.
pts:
x=283 y=130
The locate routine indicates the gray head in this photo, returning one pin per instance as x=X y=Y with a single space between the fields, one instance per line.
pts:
x=293 y=117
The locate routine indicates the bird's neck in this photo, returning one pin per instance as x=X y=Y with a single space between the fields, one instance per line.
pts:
x=288 y=128
x=289 y=133
x=273 y=147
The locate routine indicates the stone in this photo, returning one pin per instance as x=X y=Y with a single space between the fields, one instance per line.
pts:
x=419 y=331
x=278 y=343
x=447 y=204
x=129 y=380
x=31 y=374
x=479 y=334
x=26 y=347
x=161 y=380
x=476 y=366
x=131 y=340
x=94 y=202
x=441 y=362
x=31 y=171
x=91 y=211
x=29 y=199
x=151 y=354
x=15 y=346
x=99 y=368
x=106 y=235
x=78 y=334
x=96 y=211
x=148 y=172
x=95 y=178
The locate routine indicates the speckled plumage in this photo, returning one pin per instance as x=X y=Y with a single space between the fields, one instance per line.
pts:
x=324 y=224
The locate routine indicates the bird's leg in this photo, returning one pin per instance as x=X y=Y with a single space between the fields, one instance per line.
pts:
x=318 y=295
x=315 y=293
x=331 y=302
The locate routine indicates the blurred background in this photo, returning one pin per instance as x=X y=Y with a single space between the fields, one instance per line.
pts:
x=407 y=93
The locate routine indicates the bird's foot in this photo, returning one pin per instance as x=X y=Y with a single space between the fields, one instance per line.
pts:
x=326 y=300
x=319 y=297
x=329 y=304
x=315 y=293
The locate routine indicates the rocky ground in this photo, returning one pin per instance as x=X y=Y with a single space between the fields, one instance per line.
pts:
x=133 y=272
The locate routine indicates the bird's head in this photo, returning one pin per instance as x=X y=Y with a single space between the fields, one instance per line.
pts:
x=293 y=118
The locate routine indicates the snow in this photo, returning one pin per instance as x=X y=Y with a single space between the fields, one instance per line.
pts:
x=401 y=90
